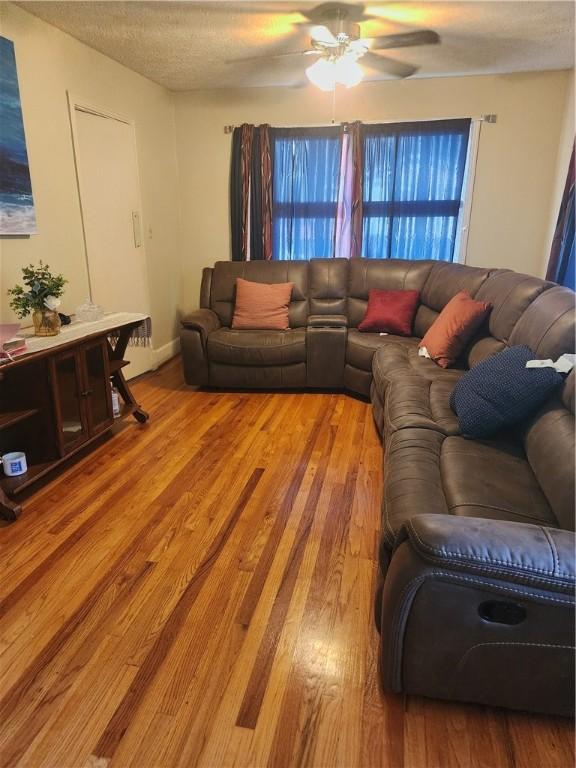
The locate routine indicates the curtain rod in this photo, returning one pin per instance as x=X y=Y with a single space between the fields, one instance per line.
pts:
x=481 y=119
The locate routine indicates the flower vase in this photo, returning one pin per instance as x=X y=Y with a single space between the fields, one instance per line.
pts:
x=46 y=322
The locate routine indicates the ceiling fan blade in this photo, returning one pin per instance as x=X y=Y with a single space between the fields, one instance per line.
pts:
x=388 y=66
x=404 y=40
x=245 y=8
x=287 y=72
x=273 y=56
x=331 y=11
x=298 y=85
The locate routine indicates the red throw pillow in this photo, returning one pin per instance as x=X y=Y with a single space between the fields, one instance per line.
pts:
x=390 y=312
x=261 y=306
x=448 y=335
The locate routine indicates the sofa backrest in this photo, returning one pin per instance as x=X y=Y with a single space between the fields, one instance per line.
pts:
x=547 y=326
x=549 y=440
x=526 y=310
x=442 y=283
x=223 y=286
x=384 y=274
x=328 y=286
x=510 y=294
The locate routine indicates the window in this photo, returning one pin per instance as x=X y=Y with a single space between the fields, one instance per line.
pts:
x=305 y=189
x=412 y=183
x=412 y=189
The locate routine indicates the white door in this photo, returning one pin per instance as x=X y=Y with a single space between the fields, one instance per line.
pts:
x=110 y=197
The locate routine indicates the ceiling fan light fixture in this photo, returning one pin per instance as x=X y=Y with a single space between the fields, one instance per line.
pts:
x=347 y=71
x=325 y=73
x=322 y=74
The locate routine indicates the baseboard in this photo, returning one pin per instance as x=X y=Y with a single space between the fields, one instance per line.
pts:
x=165 y=352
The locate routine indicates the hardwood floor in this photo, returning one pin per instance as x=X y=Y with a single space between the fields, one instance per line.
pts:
x=198 y=592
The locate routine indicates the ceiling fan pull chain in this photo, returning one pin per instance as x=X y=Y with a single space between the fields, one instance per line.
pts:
x=334 y=104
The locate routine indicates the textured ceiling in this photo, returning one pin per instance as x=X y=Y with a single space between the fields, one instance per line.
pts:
x=189 y=45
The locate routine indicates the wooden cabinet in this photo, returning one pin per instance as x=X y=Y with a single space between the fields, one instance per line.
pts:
x=54 y=403
x=82 y=395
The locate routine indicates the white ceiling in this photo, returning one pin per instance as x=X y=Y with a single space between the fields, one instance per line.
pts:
x=189 y=45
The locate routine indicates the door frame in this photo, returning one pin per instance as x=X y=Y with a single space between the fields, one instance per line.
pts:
x=77 y=104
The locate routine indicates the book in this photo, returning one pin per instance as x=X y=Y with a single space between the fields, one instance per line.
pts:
x=13 y=345
x=10 y=344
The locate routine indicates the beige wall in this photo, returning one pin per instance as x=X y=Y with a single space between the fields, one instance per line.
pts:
x=49 y=64
x=515 y=174
x=565 y=145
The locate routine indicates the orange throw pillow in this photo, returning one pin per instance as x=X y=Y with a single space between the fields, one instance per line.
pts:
x=448 y=335
x=261 y=306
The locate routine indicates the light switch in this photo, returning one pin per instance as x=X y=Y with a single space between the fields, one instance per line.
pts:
x=137 y=229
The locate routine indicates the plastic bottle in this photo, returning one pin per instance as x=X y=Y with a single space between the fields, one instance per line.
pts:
x=115 y=402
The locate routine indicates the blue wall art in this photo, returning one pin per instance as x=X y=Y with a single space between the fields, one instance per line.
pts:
x=16 y=204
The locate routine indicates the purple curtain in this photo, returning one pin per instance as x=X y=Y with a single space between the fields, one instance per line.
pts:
x=348 y=231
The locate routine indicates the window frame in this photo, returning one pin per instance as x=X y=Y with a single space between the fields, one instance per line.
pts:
x=463 y=226
x=461 y=236
x=392 y=209
x=323 y=208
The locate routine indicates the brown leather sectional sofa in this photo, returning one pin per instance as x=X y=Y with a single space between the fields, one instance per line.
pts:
x=475 y=600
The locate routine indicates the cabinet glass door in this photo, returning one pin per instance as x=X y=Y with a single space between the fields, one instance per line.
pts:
x=99 y=398
x=72 y=422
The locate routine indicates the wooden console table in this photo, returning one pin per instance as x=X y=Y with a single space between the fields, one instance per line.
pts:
x=56 y=399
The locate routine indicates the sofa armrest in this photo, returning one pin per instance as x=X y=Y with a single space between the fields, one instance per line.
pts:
x=520 y=552
x=327 y=321
x=194 y=332
x=202 y=320
x=480 y=610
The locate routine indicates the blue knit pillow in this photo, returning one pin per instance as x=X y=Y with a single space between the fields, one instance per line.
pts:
x=501 y=391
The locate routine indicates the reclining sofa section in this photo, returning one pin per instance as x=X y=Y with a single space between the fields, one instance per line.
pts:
x=475 y=598
x=323 y=347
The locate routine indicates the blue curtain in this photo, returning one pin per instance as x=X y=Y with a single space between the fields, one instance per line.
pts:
x=411 y=181
x=567 y=273
x=412 y=189
x=305 y=190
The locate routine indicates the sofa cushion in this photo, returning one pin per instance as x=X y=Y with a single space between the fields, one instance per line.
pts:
x=261 y=306
x=390 y=312
x=258 y=348
x=360 y=347
x=492 y=479
x=257 y=377
x=397 y=362
x=549 y=444
x=419 y=402
x=500 y=391
x=457 y=323
x=413 y=483
x=427 y=472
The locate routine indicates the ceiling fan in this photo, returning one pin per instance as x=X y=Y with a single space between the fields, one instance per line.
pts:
x=337 y=43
